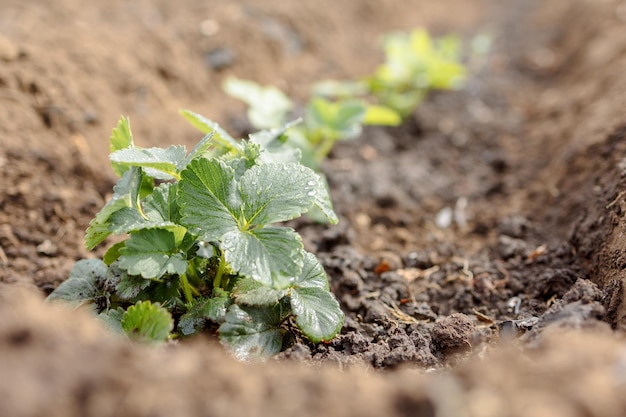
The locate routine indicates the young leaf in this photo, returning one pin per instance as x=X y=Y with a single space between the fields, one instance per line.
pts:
x=82 y=285
x=251 y=292
x=162 y=164
x=253 y=333
x=339 y=120
x=267 y=193
x=152 y=253
x=267 y=106
x=147 y=322
x=271 y=255
x=274 y=146
x=160 y=209
x=121 y=138
x=381 y=116
x=317 y=312
x=209 y=199
x=277 y=192
x=213 y=309
x=248 y=156
x=162 y=205
x=402 y=102
x=312 y=275
x=218 y=210
x=220 y=137
x=125 y=194
x=113 y=253
x=322 y=201
x=128 y=287
x=113 y=319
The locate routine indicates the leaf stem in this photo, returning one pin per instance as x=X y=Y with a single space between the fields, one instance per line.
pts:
x=187 y=288
x=217 y=282
x=324 y=148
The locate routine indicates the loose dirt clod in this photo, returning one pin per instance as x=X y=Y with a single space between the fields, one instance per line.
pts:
x=453 y=334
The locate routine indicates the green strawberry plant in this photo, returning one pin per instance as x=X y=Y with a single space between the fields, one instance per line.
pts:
x=203 y=248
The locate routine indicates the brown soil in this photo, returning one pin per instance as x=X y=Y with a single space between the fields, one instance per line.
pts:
x=516 y=308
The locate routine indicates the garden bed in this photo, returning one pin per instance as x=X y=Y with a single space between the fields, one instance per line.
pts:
x=479 y=254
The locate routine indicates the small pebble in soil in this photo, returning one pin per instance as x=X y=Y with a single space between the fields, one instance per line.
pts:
x=509 y=247
x=47 y=248
x=220 y=58
x=419 y=260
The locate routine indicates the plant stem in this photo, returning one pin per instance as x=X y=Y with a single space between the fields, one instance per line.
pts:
x=217 y=282
x=324 y=148
x=187 y=289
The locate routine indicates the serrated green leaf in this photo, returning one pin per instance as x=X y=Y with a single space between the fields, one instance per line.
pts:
x=213 y=207
x=322 y=201
x=251 y=292
x=274 y=147
x=162 y=205
x=162 y=164
x=199 y=150
x=221 y=138
x=129 y=287
x=338 y=120
x=82 y=285
x=125 y=194
x=159 y=210
x=121 y=138
x=127 y=220
x=253 y=333
x=277 y=192
x=269 y=193
x=268 y=106
x=113 y=319
x=113 y=253
x=213 y=309
x=312 y=275
x=271 y=255
x=147 y=322
x=152 y=253
x=317 y=313
x=209 y=199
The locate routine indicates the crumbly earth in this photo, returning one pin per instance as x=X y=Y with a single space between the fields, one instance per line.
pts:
x=479 y=256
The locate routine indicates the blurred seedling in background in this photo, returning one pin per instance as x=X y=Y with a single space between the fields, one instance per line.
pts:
x=414 y=64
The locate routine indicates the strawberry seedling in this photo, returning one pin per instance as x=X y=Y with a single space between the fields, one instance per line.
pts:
x=415 y=64
x=204 y=248
x=324 y=121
